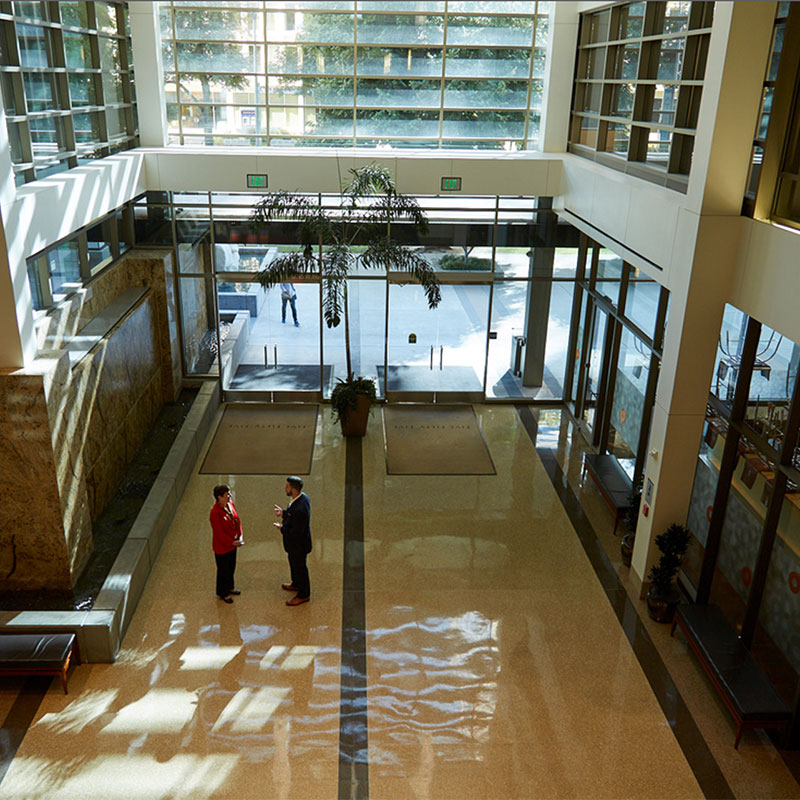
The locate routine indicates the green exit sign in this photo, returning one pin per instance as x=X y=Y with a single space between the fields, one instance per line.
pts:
x=451 y=184
x=256 y=181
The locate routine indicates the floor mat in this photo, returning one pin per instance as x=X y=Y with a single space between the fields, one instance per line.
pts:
x=263 y=439
x=285 y=378
x=435 y=440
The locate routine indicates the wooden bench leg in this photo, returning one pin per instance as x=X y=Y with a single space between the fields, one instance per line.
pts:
x=76 y=653
x=64 y=678
x=672 y=629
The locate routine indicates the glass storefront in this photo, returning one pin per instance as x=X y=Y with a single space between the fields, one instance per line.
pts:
x=744 y=514
x=614 y=354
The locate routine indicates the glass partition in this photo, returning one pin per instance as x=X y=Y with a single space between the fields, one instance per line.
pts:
x=528 y=351
x=641 y=302
x=628 y=404
x=771 y=385
x=729 y=354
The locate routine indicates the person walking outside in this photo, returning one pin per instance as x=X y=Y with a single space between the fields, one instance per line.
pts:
x=289 y=295
x=226 y=528
x=295 y=527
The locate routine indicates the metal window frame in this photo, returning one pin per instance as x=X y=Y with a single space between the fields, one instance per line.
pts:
x=68 y=152
x=674 y=172
x=355 y=139
x=784 y=124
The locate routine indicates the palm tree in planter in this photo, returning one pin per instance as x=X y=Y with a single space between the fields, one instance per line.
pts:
x=334 y=241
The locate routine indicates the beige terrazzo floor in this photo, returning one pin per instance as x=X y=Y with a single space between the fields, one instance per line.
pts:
x=496 y=667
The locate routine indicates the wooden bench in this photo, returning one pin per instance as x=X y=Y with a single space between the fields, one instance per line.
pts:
x=38 y=654
x=613 y=482
x=739 y=681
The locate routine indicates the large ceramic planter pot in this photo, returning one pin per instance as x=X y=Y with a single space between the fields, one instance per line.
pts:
x=626 y=548
x=356 y=422
x=662 y=607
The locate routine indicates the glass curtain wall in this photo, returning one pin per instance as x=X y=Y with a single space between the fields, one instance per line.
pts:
x=507 y=269
x=773 y=185
x=66 y=80
x=745 y=508
x=533 y=287
x=615 y=353
x=352 y=73
x=638 y=82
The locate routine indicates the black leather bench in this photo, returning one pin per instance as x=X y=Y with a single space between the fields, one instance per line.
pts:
x=613 y=482
x=739 y=681
x=38 y=654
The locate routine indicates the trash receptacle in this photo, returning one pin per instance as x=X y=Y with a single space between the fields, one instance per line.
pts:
x=517 y=343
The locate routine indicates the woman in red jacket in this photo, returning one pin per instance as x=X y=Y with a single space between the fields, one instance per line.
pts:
x=227 y=530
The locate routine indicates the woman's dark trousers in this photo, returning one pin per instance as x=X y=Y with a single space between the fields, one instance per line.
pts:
x=226 y=565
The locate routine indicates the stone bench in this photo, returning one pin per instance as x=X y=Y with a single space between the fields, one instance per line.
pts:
x=613 y=482
x=38 y=654
x=739 y=681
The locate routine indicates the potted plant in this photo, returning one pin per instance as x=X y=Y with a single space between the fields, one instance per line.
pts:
x=663 y=595
x=351 y=400
x=675 y=540
x=358 y=232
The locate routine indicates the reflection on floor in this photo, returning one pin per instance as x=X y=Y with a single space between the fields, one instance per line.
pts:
x=495 y=665
x=283 y=378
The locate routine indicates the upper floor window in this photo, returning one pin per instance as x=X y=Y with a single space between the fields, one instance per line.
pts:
x=638 y=83
x=356 y=73
x=773 y=188
x=65 y=77
x=765 y=107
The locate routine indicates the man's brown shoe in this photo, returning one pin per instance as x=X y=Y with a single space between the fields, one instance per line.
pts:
x=288 y=587
x=296 y=601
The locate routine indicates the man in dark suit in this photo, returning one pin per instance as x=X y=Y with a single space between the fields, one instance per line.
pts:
x=295 y=526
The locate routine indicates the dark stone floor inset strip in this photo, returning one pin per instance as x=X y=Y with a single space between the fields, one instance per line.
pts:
x=695 y=750
x=19 y=719
x=353 y=740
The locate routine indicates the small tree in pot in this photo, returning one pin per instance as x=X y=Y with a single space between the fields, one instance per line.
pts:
x=351 y=400
x=359 y=231
x=663 y=595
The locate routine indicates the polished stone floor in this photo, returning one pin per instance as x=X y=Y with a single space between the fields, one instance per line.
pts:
x=467 y=637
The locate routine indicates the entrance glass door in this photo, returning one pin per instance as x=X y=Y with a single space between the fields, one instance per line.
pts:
x=437 y=355
x=270 y=343
x=366 y=322
x=593 y=384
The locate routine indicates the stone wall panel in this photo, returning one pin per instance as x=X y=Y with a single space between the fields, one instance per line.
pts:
x=32 y=544
x=68 y=432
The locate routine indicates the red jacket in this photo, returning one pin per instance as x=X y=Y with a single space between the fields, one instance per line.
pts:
x=226 y=528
